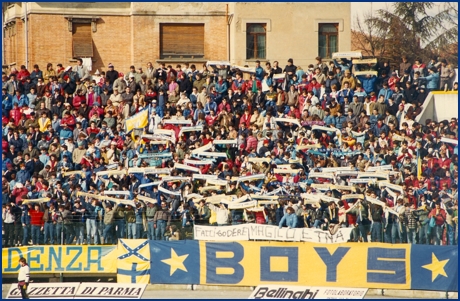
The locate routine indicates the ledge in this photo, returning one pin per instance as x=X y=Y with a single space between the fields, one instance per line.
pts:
x=185 y=60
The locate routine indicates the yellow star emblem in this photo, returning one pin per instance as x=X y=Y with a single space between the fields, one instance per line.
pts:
x=436 y=267
x=175 y=262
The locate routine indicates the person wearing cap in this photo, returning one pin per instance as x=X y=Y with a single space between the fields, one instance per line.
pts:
x=432 y=79
x=120 y=83
x=111 y=74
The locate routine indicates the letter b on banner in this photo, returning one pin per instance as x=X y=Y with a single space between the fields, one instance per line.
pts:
x=223 y=263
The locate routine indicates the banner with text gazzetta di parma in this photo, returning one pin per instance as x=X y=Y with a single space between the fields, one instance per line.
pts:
x=61 y=259
x=77 y=290
x=251 y=263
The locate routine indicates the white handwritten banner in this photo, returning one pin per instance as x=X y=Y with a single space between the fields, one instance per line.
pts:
x=224 y=233
x=269 y=232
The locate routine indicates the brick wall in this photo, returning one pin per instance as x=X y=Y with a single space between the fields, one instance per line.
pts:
x=120 y=40
x=50 y=41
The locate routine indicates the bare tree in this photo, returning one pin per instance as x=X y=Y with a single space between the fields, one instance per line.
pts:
x=369 y=38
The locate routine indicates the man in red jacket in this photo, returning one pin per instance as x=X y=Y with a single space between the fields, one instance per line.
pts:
x=18 y=192
x=36 y=220
x=440 y=216
x=15 y=114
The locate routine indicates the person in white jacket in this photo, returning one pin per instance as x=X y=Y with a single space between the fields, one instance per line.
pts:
x=23 y=277
x=222 y=214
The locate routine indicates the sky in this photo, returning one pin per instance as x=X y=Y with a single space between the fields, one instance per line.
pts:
x=360 y=8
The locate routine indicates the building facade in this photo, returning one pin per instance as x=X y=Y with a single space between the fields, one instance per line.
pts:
x=134 y=33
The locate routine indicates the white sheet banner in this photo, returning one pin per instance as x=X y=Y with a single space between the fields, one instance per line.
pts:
x=271 y=291
x=101 y=290
x=269 y=232
x=45 y=290
x=224 y=233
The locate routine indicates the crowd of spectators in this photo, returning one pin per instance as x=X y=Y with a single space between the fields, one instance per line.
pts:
x=61 y=120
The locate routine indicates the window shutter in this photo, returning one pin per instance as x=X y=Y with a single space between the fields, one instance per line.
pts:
x=182 y=40
x=82 y=41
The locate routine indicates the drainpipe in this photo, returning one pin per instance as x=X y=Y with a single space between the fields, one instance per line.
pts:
x=228 y=33
x=26 y=32
x=3 y=31
x=229 y=21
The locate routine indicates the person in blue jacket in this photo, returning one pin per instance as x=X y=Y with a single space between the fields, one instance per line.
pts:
x=367 y=82
x=343 y=65
x=432 y=79
x=20 y=99
x=290 y=217
x=386 y=92
x=7 y=102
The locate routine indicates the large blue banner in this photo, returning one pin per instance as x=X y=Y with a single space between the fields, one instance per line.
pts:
x=252 y=263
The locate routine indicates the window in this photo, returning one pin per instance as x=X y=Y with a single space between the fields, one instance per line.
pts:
x=181 y=41
x=82 y=40
x=328 y=39
x=256 y=41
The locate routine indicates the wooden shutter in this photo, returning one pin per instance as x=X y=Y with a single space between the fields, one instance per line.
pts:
x=82 y=41
x=184 y=40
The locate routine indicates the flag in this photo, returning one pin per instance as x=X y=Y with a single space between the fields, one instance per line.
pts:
x=419 y=166
x=175 y=262
x=434 y=268
x=133 y=272
x=133 y=262
x=138 y=121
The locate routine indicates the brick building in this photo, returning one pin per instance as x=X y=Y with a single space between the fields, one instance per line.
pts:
x=130 y=33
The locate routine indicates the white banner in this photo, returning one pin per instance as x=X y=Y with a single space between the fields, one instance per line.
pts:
x=234 y=141
x=198 y=162
x=449 y=140
x=186 y=167
x=110 y=291
x=177 y=121
x=268 y=291
x=213 y=154
x=288 y=120
x=202 y=149
x=203 y=177
x=224 y=233
x=270 y=233
x=347 y=54
x=242 y=205
x=45 y=290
